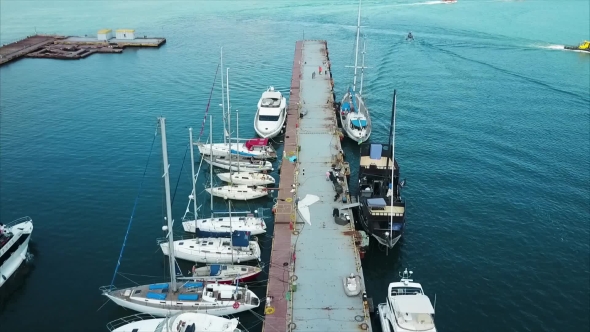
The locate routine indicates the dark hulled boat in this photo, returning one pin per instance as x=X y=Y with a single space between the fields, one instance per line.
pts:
x=382 y=210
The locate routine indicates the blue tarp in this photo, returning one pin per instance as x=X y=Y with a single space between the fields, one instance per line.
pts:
x=376 y=202
x=193 y=285
x=397 y=227
x=241 y=239
x=156 y=296
x=359 y=122
x=188 y=297
x=376 y=150
x=345 y=107
x=215 y=268
x=158 y=286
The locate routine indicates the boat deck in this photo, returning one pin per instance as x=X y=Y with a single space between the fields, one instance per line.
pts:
x=309 y=262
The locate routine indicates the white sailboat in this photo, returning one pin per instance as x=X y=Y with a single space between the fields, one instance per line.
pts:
x=182 y=322
x=14 y=245
x=225 y=273
x=237 y=163
x=271 y=114
x=247 y=178
x=239 y=192
x=354 y=114
x=257 y=148
x=217 y=226
x=407 y=308
x=169 y=298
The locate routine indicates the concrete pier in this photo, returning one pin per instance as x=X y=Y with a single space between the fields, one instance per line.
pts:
x=310 y=260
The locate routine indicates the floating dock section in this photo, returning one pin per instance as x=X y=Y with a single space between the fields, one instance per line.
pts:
x=313 y=251
x=74 y=48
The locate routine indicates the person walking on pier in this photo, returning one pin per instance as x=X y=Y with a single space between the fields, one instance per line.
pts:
x=320 y=70
x=313 y=75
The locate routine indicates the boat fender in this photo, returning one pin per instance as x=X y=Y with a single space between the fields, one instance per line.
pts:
x=269 y=310
x=295 y=232
x=294 y=278
x=292 y=326
x=194 y=269
x=364 y=326
x=236 y=305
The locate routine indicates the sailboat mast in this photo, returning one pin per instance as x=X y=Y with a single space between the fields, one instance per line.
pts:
x=391 y=128
x=363 y=67
x=231 y=233
x=228 y=122
x=211 y=163
x=356 y=47
x=194 y=194
x=222 y=100
x=393 y=190
x=238 y=132
x=168 y=206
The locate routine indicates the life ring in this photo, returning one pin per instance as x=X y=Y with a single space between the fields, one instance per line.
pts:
x=269 y=310
x=236 y=305
x=294 y=278
x=364 y=326
x=295 y=232
x=288 y=200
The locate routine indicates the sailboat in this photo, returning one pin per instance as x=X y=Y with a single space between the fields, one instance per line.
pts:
x=256 y=148
x=354 y=114
x=169 y=298
x=217 y=226
x=382 y=210
x=271 y=114
x=247 y=178
x=182 y=322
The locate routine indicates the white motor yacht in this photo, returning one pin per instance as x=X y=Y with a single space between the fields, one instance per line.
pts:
x=271 y=113
x=14 y=244
x=407 y=308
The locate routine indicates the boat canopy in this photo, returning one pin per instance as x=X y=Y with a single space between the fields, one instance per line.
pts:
x=251 y=143
x=376 y=150
x=359 y=122
x=241 y=239
x=376 y=202
x=215 y=269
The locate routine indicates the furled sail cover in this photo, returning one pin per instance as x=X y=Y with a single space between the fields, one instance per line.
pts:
x=303 y=207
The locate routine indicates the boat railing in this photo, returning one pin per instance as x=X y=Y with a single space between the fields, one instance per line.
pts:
x=18 y=221
x=128 y=320
x=107 y=289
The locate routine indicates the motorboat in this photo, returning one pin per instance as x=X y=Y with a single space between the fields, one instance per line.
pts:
x=238 y=248
x=196 y=295
x=352 y=284
x=239 y=164
x=257 y=148
x=584 y=46
x=410 y=36
x=238 y=192
x=247 y=178
x=223 y=226
x=181 y=322
x=271 y=114
x=227 y=274
x=406 y=308
x=449 y=1
x=354 y=114
x=382 y=209
x=14 y=245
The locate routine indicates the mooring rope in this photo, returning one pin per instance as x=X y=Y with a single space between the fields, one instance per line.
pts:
x=139 y=191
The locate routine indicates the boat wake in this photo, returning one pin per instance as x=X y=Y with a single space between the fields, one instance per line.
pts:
x=437 y=2
x=557 y=47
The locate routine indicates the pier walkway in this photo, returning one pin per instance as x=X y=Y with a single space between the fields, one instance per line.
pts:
x=310 y=260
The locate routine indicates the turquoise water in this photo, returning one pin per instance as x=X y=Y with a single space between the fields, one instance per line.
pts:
x=493 y=137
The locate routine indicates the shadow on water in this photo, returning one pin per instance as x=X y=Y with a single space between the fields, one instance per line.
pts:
x=16 y=284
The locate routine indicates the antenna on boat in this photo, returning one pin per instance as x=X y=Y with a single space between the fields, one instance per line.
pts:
x=168 y=228
x=194 y=193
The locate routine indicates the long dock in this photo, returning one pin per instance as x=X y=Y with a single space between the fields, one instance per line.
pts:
x=310 y=260
x=69 y=48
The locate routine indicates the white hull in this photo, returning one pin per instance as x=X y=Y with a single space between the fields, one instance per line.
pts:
x=238 y=192
x=383 y=317
x=271 y=114
x=192 y=250
x=255 y=226
x=276 y=128
x=256 y=166
x=223 y=150
x=23 y=229
x=247 y=178
x=179 y=322
x=357 y=134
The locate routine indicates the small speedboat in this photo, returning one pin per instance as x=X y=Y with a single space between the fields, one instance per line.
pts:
x=271 y=113
x=238 y=192
x=352 y=285
x=181 y=322
x=410 y=36
x=449 y=1
x=247 y=178
x=14 y=244
x=584 y=46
